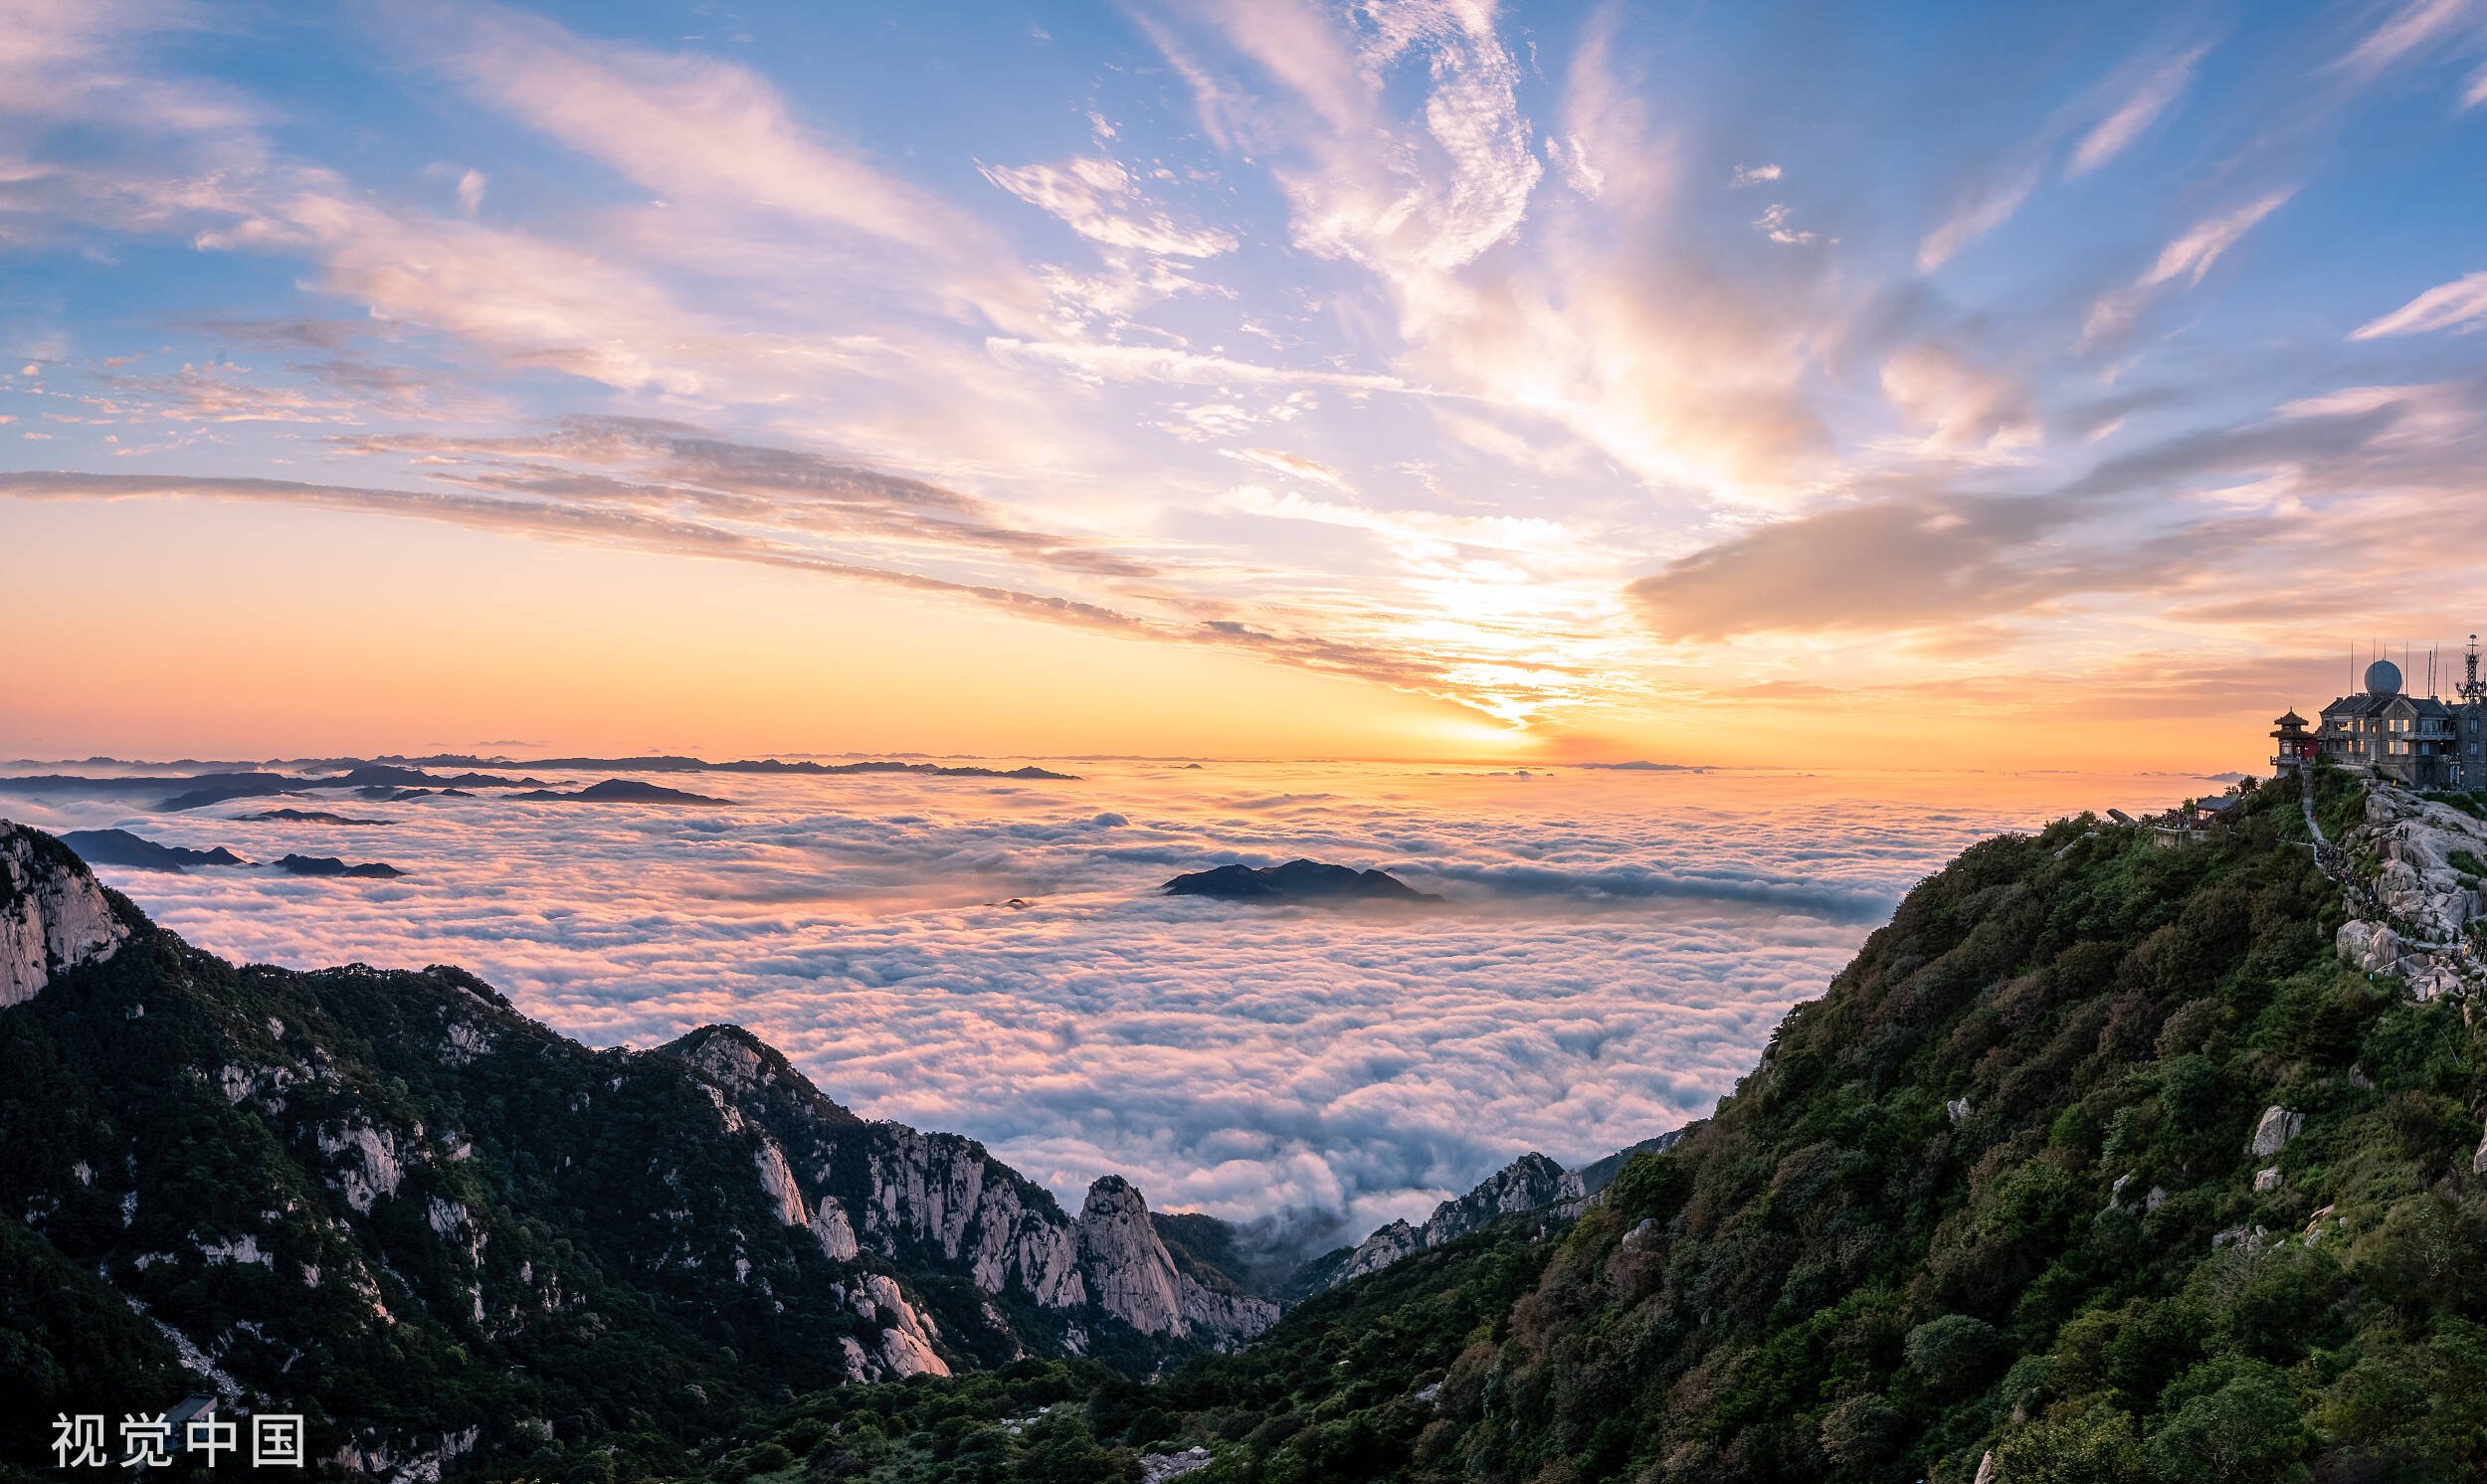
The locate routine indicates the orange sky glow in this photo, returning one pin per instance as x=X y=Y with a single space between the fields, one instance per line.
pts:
x=1270 y=380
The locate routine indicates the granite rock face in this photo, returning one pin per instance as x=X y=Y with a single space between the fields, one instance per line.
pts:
x=2271 y=1134
x=1134 y=1279
x=2424 y=899
x=939 y=1203
x=53 y=915
x=2369 y=947
x=1530 y=1183
x=1133 y=1273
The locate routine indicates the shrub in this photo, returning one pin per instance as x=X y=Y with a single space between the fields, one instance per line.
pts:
x=1954 y=1351
x=2241 y=1426
x=2096 y=1445
x=1860 y=1430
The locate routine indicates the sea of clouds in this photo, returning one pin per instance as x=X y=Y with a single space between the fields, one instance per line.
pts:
x=1616 y=952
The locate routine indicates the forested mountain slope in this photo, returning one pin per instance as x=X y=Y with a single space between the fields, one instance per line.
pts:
x=2096 y=1165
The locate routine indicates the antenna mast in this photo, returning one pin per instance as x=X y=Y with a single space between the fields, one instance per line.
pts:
x=2473 y=689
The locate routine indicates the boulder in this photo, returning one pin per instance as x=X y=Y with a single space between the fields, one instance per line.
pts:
x=2429 y=979
x=2273 y=1134
x=2369 y=947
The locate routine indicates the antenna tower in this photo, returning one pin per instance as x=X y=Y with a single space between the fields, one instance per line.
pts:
x=2473 y=689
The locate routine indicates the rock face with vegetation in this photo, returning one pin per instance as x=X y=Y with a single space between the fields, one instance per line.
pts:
x=1531 y=1183
x=441 y=1230
x=2415 y=865
x=53 y=915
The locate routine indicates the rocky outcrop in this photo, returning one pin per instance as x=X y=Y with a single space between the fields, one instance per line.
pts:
x=2423 y=896
x=1384 y=1248
x=53 y=915
x=369 y=1166
x=2273 y=1134
x=907 y=1337
x=928 y=1203
x=1132 y=1276
x=2417 y=880
x=1530 y=1183
x=2368 y=946
x=1134 y=1279
x=943 y=1192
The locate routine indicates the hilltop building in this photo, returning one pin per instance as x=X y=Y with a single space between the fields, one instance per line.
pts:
x=2420 y=742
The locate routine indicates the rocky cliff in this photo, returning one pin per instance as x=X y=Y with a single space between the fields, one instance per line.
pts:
x=939 y=1203
x=53 y=915
x=1134 y=1279
x=392 y=1197
x=2414 y=873
x=1530 y=1183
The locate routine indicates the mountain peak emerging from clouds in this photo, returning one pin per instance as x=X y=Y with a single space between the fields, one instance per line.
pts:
x=1295 y=881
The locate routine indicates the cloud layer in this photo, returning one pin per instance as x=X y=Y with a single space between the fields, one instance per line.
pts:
x=1619 y=948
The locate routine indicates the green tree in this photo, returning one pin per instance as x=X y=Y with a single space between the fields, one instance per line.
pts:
x=2092 y=1446
x=2246 y=1431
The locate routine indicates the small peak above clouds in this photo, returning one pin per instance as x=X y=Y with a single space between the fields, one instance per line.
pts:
x=1295 y=881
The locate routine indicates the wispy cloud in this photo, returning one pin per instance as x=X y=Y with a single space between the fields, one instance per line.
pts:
x=2188 y=257
x=2192 y=254
x=703 y=131
x=1293 y=464
x=1098 y=199
x=2444 y=306
x=1774 y=224
x=2150 y=95
x=2404 y=29
x=2191 y=515
x=1338 y=640
x=1160 y=363
x=1980 y=211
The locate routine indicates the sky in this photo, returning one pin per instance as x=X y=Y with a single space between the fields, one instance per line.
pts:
x=1614 y=948
x=1924 y=384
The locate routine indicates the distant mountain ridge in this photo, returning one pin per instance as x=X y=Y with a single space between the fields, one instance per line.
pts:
x=204 y=789
x=120 y=848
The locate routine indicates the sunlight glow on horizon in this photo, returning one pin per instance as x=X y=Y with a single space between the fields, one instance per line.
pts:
x=1259 y=378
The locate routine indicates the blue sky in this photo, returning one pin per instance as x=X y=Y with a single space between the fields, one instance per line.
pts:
x=1562 y=369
